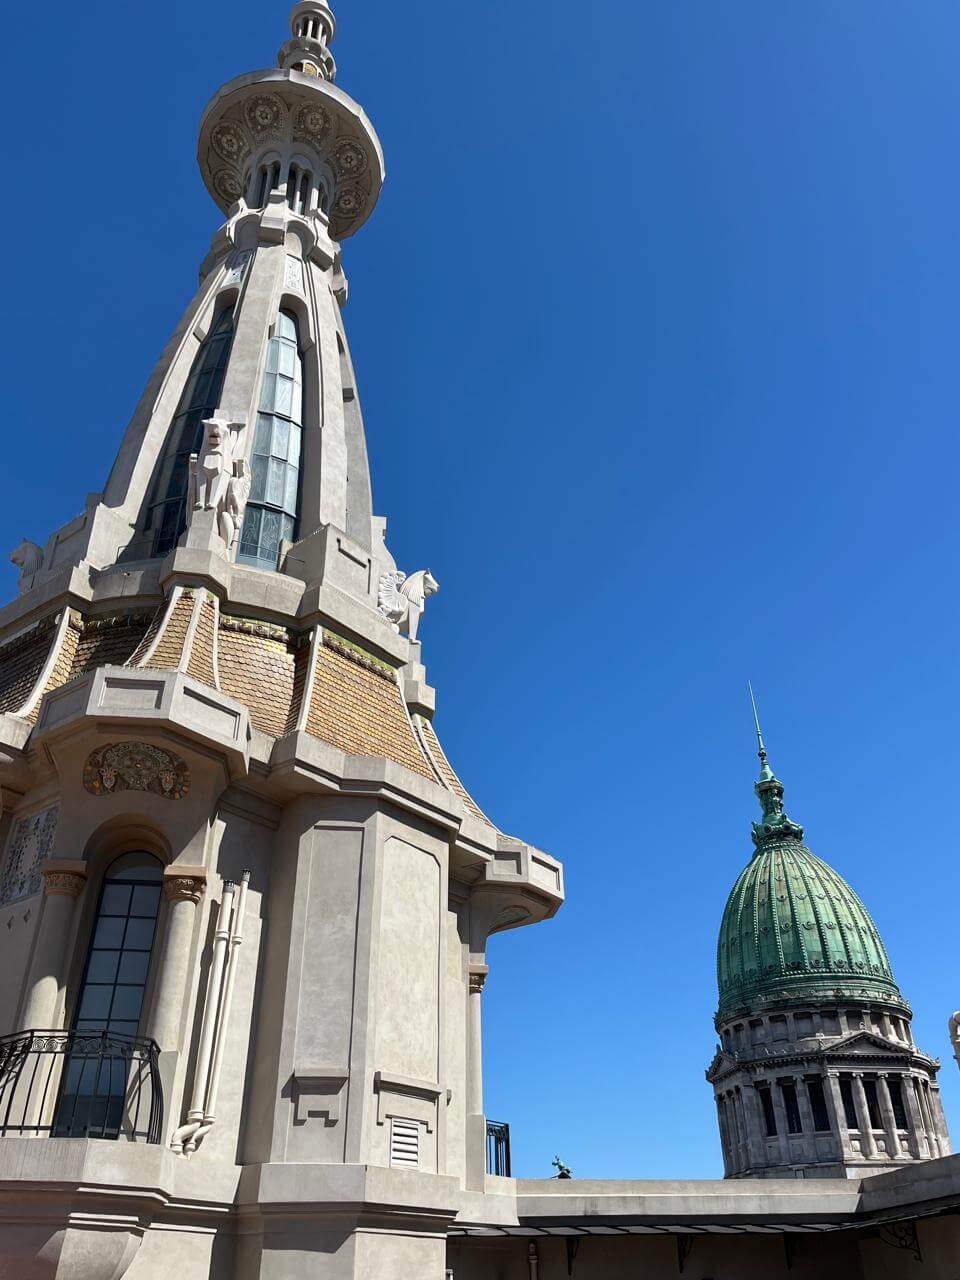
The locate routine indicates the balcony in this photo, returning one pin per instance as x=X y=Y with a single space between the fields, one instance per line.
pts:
x=498 y=1149
x=80 y=1084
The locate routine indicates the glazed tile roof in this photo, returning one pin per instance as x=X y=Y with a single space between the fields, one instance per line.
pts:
x=259 y=670
x=166 y=656
x=445 y=770
x=200 y=665
x=21 y=663
x=357 y=706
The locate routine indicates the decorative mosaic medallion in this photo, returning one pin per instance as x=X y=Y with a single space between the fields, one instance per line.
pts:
x=350 y=159
x=313 y=122
x=227 y=184
x=229 y=142
x=264 y=113
x=136 y=766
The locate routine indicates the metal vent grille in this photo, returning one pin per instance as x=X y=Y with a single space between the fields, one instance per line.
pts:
x=405 y=1143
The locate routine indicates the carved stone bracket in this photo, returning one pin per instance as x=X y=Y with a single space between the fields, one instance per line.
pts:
x=63 y=878
x=477 y=974
x=901 y=1235
x=136 y=766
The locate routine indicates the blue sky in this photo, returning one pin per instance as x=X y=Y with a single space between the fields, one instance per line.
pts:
x=655 y=327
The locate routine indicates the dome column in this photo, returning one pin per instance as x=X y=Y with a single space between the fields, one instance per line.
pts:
x=754 y=1119
x=916 y=1119
x=889 y=1119
x=803 y=1102
x=868 y=1146
x=838 y=1116
x=780 y=1113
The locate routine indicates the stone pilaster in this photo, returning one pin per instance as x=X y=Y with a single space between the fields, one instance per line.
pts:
x=63 y=883
x=183 y=887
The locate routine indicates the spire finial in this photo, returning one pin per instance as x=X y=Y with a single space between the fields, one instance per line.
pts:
x=775 y=824
x=766 y=773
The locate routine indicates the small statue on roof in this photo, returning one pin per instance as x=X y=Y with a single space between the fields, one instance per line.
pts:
x=563 y=1170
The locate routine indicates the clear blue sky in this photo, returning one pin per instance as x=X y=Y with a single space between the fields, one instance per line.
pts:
x=656 y=330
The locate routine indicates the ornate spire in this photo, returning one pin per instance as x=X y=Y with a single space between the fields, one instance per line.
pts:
x=312 y=28
x=775 y=825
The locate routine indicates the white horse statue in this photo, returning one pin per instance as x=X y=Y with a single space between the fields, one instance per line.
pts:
x=402 y=598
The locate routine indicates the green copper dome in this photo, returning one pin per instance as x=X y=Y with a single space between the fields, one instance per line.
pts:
x=792 y=928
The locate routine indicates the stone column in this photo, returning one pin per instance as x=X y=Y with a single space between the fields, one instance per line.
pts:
x=476 y=1124
x=867 y=1143
x=934 y=1129
x=183 y=887
x=724 y=1136
x=63 y=883
x=477 y=976
x=756 y=1130
x=780 y=1112
x=806 y=1111
x=838 y=1116
x=889 y=1119
x=918 y=1143
x=940 y=1120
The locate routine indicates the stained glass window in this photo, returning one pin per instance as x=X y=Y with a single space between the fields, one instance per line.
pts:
x=272 y=509
x=167 y=516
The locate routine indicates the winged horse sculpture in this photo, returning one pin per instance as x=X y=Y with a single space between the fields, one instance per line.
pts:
x=402 y=598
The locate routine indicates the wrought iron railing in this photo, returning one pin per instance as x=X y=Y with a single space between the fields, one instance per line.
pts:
x=498 y=1149
x=80 y=1084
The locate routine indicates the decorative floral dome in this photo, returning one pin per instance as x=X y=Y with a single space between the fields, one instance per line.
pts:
x=792 y=928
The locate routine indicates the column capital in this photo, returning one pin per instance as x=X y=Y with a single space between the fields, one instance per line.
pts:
x=184 y=884
x=477 y=975
x=64 y=877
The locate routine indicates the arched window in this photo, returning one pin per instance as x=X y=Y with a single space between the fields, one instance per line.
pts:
x=271 y=515
x=104 y=1091
x=166 y=518
x=111 y=994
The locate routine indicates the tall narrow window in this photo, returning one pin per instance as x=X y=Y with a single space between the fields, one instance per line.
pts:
x=873 y=1105
x=896 y=1101
x=791 y=1106
x=818 y=1105
x=166 y=519
x=849 y=1109
x=769 y=1115
x=95 y=1090
x=271 y=514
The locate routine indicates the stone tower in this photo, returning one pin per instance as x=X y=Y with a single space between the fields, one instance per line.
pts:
x=244 y=897
x=816 y=1073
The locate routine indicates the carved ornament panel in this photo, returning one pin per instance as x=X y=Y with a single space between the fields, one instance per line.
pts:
x=136 y=766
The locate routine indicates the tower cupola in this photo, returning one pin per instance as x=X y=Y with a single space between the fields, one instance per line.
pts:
x=312 y=28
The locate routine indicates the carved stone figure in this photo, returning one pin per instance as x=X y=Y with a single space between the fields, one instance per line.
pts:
x=954 y=1026
x=235 y=502
x=401 y=598
x=218 y=482
x=28 y=558
x=136 y=766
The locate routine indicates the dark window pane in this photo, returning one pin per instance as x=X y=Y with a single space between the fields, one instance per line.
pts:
x=103 y=966
x=95 y=1003
x=115 y=901
x=133 y=966
x=146 y=900
x=139 y=935
x=127 y=1002
x=123 y=1028
x=109 y=933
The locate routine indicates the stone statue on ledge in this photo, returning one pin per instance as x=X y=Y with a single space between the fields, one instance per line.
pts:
x=28 y=558
x=401 y=598
x=218 y=482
